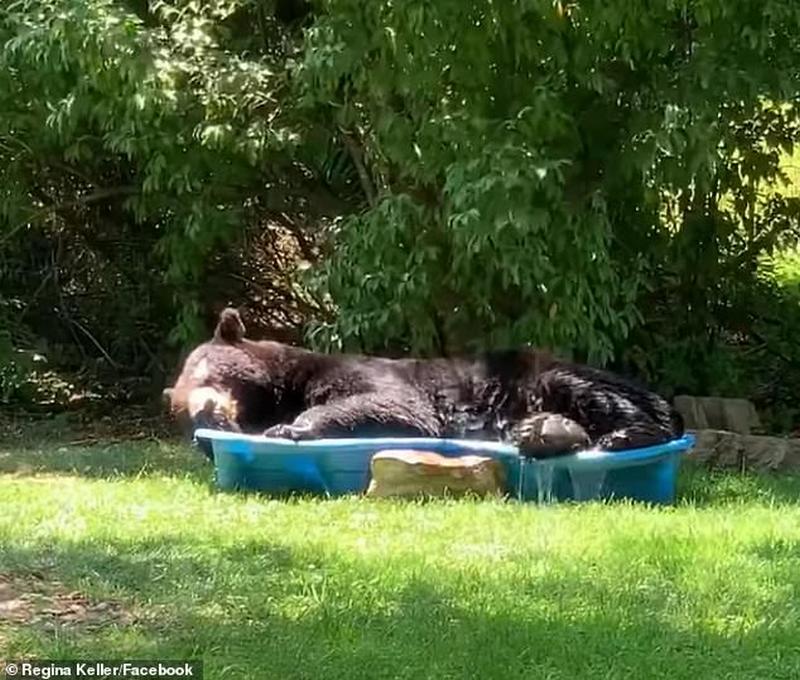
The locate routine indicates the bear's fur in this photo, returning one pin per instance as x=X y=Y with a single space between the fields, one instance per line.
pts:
x=545 y=405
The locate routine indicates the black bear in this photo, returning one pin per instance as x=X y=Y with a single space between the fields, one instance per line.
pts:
x=544 y=405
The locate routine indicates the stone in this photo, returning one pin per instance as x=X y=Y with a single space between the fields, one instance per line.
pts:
x=408 y=473
x=770 y=454
x=716 y=448
x=792 y=459
x=759 y=453
x=694 y=418
x=717 y=413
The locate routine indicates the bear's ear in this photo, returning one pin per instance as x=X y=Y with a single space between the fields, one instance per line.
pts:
x=230 y=327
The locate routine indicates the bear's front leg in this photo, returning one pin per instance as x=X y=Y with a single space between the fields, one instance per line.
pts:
x=390 y=414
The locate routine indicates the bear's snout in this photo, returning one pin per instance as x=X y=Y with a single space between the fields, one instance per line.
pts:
x=213 y=409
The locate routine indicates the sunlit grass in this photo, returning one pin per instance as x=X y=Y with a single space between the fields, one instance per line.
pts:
x=343 y=588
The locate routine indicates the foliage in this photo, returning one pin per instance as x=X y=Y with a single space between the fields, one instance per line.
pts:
x=521 y=153
x=786 y=267
x=152 y=116
x=146 y=150
x=15 y=365
x=716 y=321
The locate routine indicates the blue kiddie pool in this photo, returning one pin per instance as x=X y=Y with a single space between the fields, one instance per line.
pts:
x=334 y=467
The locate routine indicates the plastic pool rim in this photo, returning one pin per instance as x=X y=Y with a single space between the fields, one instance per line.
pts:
x=584 y=458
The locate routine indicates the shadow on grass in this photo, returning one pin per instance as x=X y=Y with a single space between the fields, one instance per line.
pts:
x=262 y=610
x=105 y=461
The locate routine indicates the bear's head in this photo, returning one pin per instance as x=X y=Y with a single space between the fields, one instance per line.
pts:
x=216 y=377
x=236 y=384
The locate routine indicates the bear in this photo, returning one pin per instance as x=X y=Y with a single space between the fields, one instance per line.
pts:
x=545 y=405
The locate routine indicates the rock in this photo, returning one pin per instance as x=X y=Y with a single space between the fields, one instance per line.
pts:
x=759 y=453
x=770 y=454
x=694 y=417
x=716 y=448
x=717 y=413
x=413 y=473
x=792 y=459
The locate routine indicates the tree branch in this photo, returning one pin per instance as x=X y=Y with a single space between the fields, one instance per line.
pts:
x=357 y=155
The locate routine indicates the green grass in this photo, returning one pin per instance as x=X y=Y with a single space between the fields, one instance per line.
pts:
x=305 y=588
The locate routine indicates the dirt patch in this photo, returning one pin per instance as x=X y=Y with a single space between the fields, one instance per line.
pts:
x=35 y=600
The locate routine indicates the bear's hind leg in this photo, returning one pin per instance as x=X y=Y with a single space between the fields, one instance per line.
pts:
x=398 y=414
x=615 y=413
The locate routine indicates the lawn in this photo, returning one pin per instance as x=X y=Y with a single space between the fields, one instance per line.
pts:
x=135 y=555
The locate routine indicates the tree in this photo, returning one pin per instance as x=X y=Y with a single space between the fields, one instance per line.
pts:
x=523 y=153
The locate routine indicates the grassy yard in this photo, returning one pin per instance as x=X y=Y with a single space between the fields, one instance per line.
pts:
x=136 y=535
